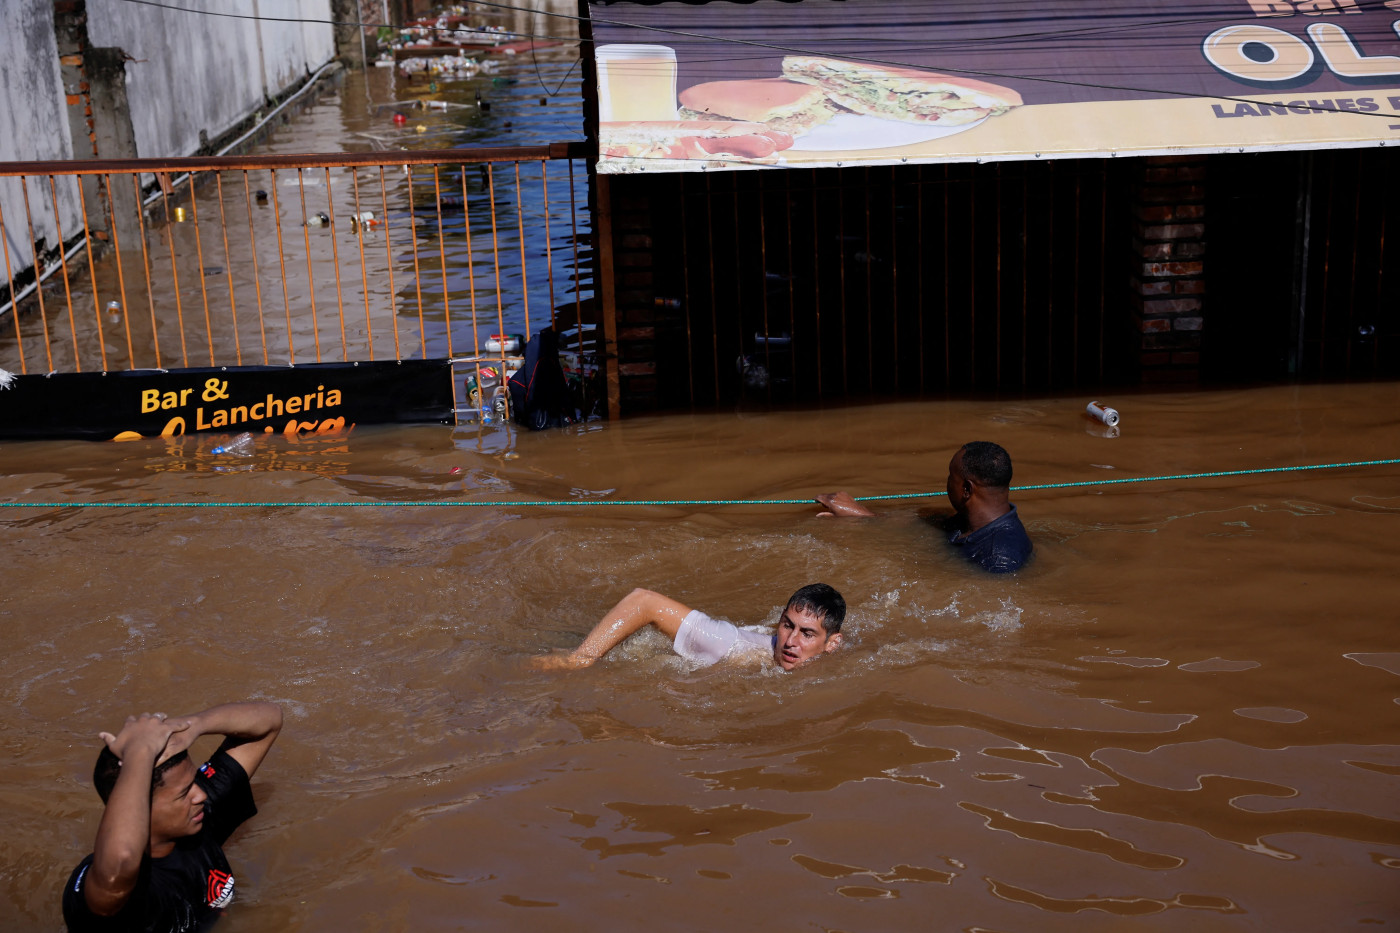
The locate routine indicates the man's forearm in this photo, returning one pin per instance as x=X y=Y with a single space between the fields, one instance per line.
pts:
x=246 y=721
x=249 y=730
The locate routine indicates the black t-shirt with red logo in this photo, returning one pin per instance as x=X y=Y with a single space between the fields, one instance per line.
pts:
x=187 y=889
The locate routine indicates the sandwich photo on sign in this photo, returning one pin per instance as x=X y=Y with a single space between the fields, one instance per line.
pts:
x=691 y=140
x=828 y=104
x=786 y=106
x=904 y=94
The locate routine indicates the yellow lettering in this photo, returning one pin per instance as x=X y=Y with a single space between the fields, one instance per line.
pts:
x=1290 y=57
x=169 y=400
x=172 y=427
x=254 y=412
x=1344 y=58
x=306 y=401
x=291 y=429
x=238 y=413
x=331 y=426
x=199 y=422
x=293 y=405
x=220 y=419
x=333 y=396
x=185 y=396
x=150 y=400
x=274 y=407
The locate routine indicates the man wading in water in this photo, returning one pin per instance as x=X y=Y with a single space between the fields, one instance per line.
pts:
x=157 y=864
x=810 y=626
x=984 y=524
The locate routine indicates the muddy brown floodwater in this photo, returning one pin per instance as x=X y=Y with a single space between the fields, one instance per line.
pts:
x=1183 y=714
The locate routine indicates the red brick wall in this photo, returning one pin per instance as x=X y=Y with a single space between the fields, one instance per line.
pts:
x=1168 y=264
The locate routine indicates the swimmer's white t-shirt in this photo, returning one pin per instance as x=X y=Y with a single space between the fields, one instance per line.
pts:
x=706 y=641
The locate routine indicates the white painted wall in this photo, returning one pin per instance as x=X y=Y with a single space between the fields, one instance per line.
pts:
x=33 y=125
x=206 y=69
x=192 y=70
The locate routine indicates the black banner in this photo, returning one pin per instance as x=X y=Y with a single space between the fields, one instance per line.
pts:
x=316 y=398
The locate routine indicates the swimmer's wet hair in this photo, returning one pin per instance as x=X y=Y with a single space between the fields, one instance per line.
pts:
x=987 y=463
x=104 y=773
x=822 y=601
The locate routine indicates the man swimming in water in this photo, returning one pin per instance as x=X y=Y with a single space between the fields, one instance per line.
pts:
x=810 y=626
x=984 y=524
x=157 y=864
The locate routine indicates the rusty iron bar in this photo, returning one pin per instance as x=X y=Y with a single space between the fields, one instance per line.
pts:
x=481 y=399
x=524 y=266
x=442 y=259
x=10 y=278
x=571 y=150
x=335 y=264
x=199 y=258
x=548 y=247
x=310 y=274
x=282 y=266
x=228 y=267
x=146 y=270
x=63 y=264
x=495 y=245
x=417 y=273
x=174 y=270
x=171 y=207
x=257 y=277
x=38 y=269
x=389 y=257
x=92 y=275
x=358 y=226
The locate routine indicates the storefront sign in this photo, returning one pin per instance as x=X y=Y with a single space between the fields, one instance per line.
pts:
x=316 y=398
x=690 y=87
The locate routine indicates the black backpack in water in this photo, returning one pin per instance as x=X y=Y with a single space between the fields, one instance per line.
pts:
x=539 y=394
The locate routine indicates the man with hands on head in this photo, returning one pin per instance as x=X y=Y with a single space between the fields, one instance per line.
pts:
x=809 y=627
x=157 y=864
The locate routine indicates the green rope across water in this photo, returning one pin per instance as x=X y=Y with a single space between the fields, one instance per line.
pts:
x=544 y=503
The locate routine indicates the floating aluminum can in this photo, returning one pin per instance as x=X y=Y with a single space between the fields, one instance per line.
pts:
x=1108 y=416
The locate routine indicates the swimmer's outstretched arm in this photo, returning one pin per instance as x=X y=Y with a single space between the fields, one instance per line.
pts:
x=636 y=610
x=843 y=504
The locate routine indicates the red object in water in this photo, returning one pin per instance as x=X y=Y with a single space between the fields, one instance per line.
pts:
x=400 y=118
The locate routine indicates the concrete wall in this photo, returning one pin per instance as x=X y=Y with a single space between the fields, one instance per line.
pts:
x=191 y=76
x=33 y=122
x=203 y=72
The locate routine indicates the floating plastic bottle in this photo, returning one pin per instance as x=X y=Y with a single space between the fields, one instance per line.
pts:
x=240 y=446
x=1103 y=413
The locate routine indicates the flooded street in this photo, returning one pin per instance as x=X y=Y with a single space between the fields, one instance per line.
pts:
x=1183 y=714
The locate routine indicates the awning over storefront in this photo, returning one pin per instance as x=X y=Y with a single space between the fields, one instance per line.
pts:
x=703 y=86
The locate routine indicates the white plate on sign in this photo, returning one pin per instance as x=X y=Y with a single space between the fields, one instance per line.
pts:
x=861 y=131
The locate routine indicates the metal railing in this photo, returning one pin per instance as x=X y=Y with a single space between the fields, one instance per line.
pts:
x=285 y=259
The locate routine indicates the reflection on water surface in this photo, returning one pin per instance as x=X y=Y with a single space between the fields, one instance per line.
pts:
x=1182 y=714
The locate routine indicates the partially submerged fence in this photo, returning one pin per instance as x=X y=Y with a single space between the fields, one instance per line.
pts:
x=289 y=259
